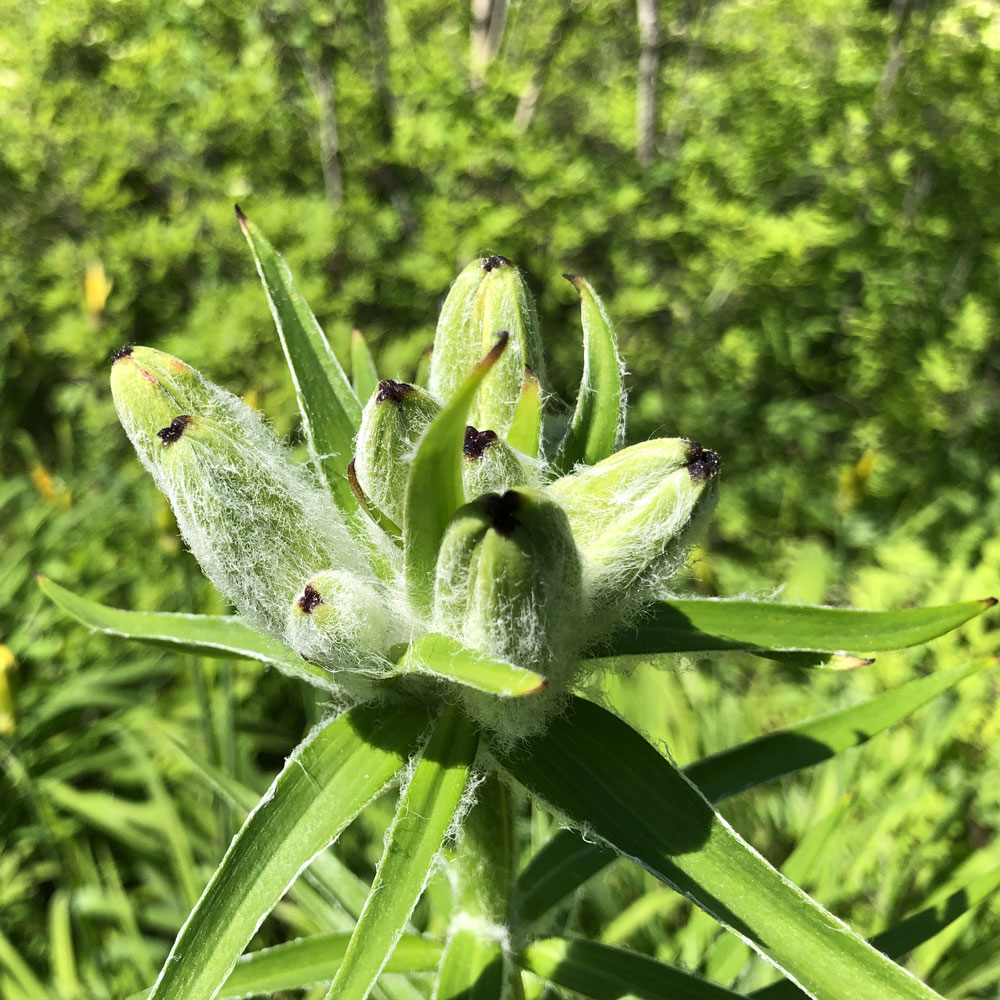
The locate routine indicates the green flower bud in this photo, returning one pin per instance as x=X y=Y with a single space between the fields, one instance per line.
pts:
x=391 y=424
x=489 y=464
x=489 y=296
x=633 y=515
x=258 y=523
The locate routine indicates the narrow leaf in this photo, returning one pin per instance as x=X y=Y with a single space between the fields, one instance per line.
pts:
x=330 y=409
x=323 y=786
x=709 y=624
x=426 y=809
x=525 y=432
x=606 y=973
x=566 y=861
x=205 y=635
x=471 y=967
x=434 y=490
x=644 y=807
x=444 y=657
x=364 y=375
x=593 y=431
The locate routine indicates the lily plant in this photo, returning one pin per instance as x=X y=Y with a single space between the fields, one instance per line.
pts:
x=456 y=556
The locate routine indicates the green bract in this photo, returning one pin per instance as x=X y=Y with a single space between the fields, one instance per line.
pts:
x=450 y=584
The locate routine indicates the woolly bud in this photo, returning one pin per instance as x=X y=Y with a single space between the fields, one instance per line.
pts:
x=489 y=296
x=391 y=424
x=258 y=523
x=632 y=516
x=490 y=465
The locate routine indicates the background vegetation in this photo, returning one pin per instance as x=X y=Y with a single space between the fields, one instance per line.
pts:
x=792 y=210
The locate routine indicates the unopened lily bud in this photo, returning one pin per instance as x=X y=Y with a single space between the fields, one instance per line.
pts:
x=488 y=297
x=258 y=523
x=634 y=513
x=338 y=622
x=391 y=424
x=489 y=464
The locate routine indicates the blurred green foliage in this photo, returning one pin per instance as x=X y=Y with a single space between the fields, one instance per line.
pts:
x=805 y=278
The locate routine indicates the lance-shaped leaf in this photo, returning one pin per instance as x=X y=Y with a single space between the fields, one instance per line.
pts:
x=364 y=374
x=567 y=861
x=434 y=490
x=594 y=430
x=605 y=973
x=525 y=432
x=323 y=786
x=205 y=635
x=330 y=409
x=708 y=625
x=426 y=809
x=642 y=805
x=444 y=657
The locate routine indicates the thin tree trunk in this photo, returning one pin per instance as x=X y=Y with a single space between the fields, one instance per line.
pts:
x=529 y=96
x=489 y=17
x=321 y=84
x=646 y=96
x=379 y=38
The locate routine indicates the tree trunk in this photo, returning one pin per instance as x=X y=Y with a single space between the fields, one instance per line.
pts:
x=489 y=17
x=529 y=96
x=649 y=65
x=321 y=84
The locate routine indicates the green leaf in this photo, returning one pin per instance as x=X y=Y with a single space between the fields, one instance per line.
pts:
x=434 y=490
x=525 y=432
x=709 y=624
x=593 y=431
x=471 y=967
x=598 y=772
x=364 y=375
x=426 y=809
x=566 y=861
x=204 y=635
x=330 y=409
x=326 y=782
x=605 y=973
x=442 y=656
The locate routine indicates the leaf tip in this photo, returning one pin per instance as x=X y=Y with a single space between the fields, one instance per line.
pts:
x=988 y=602
x=242 y=220
x=575 y=280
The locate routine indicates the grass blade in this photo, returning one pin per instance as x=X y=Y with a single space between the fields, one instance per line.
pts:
x=567 y=861
x=645 y=808
x=426 y=809
x=605 y=973
x=333 y=774
x=709 y=625
x=204 y=635
x=330 y=409
x=364 y=375
x=593 y=431
x=434 y=490
x=525 y=432
x=443 y=657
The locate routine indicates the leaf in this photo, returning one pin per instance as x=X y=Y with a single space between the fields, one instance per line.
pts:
x=434 y=490
x=526 y=425
x=593 y=431
x=471 y=967
x=331 y=412
x=204 y=635
x=710 y=624
x=326 y=782
x=593 y=768
x=566 y=861
x=606 y=973
x=426 y=809
x=444 y=657
x=364 y=375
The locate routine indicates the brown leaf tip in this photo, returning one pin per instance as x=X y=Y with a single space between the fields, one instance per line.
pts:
x=310 y=599
x=989 y=602
x=122 y=352
x=502 y=511
x=392 y=392
x=173 y=431
x=574 y=280
x=476 y=442
x=702 y=464
x=494 y=261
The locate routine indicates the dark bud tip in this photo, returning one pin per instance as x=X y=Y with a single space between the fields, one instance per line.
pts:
x=310 y=599
x=476 y=442
x=494 y=261
x=989 y=602
x=574 y=280
x=702 y=464
x=239 y=214
x=502 y=511
x=122 y=352
x=392 y=392
x=173 y=431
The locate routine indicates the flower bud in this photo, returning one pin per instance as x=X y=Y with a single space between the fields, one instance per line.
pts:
x=489 y=464
x=258 y=523
x=633 y=515
x=391 y=424
x=489 y=296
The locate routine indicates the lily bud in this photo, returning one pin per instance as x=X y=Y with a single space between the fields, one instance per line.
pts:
x=391 y=424
x=633 y=515
x=258 y=523
x=489 y=464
